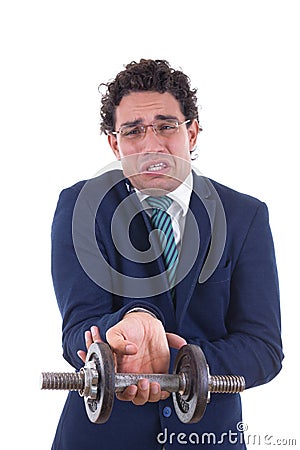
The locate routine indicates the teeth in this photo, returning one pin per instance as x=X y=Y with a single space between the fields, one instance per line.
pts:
x=156 y=167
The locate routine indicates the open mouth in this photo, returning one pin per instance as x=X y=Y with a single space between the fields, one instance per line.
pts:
x=155 y=167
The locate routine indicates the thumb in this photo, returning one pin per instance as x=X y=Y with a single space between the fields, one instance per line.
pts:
x=175 y=341
x=119 y=344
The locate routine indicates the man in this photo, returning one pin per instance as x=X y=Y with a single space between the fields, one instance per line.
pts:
x=212 y=281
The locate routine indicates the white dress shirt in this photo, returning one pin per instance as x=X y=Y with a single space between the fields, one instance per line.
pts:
x=178 y=209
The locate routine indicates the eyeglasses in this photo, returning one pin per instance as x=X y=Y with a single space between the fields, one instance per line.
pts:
x=165 y=128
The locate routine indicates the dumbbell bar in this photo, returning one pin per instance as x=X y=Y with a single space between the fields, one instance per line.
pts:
x=190 y=384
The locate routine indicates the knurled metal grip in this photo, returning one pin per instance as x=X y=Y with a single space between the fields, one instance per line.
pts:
x=190 y=384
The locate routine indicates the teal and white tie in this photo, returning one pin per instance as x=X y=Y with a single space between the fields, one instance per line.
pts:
x=161 y=220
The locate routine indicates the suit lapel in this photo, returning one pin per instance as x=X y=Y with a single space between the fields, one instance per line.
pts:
x=195 y=244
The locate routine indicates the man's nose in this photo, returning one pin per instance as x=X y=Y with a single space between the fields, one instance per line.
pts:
x=152 y=141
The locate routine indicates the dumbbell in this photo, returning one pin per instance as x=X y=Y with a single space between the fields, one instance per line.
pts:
x=190 y=384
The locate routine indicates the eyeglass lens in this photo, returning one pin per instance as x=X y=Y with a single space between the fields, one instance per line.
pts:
x=162 y=127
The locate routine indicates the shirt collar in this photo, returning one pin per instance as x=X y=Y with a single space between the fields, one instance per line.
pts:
x=181 y=195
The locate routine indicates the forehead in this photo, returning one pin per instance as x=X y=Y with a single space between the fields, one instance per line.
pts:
x=147 y=105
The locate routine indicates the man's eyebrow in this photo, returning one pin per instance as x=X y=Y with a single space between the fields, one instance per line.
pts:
x=140 y=120
x=164 y=117
x=132 y=123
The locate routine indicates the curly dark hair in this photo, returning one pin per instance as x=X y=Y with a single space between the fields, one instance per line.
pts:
x=147 y=75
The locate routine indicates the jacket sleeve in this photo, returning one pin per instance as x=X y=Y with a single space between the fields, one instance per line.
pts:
x=82 y=301
x=252 y=347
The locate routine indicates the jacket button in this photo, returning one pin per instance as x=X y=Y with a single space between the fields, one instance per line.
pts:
x=167 y=411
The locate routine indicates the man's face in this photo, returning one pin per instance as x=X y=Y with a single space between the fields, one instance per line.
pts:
x=153 y=161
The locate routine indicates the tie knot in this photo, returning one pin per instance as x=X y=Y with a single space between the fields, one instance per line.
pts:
x=162 y=202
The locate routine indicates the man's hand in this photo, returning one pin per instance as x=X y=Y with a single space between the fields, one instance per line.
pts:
x=140 y=345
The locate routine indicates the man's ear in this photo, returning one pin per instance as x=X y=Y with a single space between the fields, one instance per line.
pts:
x=113 y=142
x=193 y=132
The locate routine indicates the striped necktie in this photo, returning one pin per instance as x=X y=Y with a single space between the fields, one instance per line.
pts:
x=161 y=220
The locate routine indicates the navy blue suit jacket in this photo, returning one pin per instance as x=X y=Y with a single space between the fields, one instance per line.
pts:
x=227 y=302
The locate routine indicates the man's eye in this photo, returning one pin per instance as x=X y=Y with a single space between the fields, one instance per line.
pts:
x=166 y=126
x=134 y=131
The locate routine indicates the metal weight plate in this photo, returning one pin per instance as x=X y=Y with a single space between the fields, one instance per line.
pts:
x=190 y=405
x=99 y=409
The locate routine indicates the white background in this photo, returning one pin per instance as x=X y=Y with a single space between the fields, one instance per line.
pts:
x=244 y=58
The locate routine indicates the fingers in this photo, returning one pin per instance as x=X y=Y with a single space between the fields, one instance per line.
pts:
x=175 y=341
x=128 y=394
x=96 y=334
x=90 y=336
x=88 y=339
x=142 y=393
x=82 y=355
